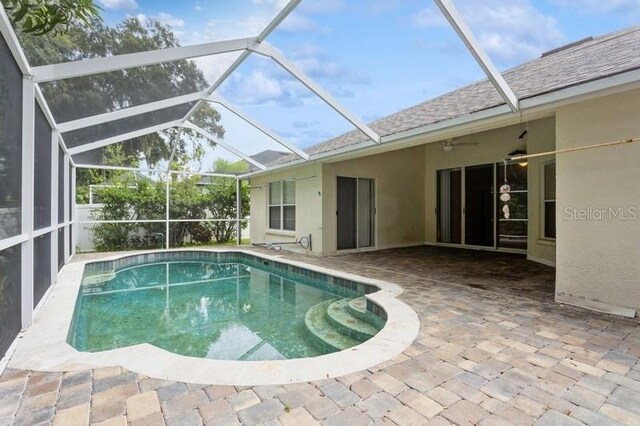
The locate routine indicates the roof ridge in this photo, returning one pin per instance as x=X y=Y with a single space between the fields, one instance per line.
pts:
x=598 y=39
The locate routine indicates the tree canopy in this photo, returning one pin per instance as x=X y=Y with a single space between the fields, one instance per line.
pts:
x=40 y=17
x=85 y=96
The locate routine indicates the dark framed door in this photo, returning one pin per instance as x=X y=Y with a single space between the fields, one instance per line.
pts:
x=355 y=213
x=479 y=205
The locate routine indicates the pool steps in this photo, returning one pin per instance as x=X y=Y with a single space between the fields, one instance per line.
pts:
x=358 y=308
x=331 y=326
x=341 y=319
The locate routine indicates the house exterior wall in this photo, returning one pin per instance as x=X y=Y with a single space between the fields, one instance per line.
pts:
x=493 y=147
x=597 y=255
x=399 y=196
x=308 y=207
x=405 y=184
x=542 y=139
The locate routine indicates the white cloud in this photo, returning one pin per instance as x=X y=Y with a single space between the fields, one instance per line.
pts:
x=300 y=20
x=321 y=6
x=168 y=19
x=163 y=18
x=602 y=6
x=510 y=32
x=513 y=32
x=119 y=4
x=266 y=83
x=428 y=17
x=198 y=7
x=297 y=22
x=256 y=88
x=303 y=124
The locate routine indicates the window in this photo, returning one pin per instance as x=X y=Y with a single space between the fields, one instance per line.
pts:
x=550 y=200
x=282 y=205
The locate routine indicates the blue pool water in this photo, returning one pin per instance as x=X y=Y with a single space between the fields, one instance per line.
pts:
x=234 y=309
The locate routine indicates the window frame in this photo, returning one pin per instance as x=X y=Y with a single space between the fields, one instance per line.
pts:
x=545 y=200
x=281 y=205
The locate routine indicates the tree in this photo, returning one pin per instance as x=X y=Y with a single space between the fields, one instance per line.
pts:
x=39 y=17
x=222 y=196
x=90 y=95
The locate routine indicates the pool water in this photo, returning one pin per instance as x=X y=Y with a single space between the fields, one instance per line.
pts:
x=208 y=309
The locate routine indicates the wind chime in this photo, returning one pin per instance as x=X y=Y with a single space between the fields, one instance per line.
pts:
x=505 y=189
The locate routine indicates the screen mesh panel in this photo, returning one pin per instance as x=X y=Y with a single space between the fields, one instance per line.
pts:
x=60 y=185
x=60 y=248
x=118 y=127
x=42 y=171
x=10 y=144
x=10 y=283
x=86 y=96
x=41 y=267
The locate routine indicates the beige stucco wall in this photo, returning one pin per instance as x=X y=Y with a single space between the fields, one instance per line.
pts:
x=542 y=139
x=308 y=207
x=493 y=147
x=598 y=260
x=399 y=186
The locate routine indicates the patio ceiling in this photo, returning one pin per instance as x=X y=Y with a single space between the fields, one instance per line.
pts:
x=156 y=116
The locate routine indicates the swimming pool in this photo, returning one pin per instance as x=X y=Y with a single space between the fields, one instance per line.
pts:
x=223 y=306
x=45 y=346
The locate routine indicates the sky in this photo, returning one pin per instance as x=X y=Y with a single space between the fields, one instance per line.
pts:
x=375 y=57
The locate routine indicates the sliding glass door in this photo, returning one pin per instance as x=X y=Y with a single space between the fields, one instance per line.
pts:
x=449 y=208
x=355 y=213
x=469 y=210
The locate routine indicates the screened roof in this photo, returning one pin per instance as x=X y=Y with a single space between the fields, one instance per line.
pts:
x=261 y=83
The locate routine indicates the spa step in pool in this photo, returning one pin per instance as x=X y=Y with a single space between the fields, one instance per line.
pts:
x=331 y=325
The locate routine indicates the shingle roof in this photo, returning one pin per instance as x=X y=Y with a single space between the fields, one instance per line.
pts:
x=268 y=156
x=586 y=61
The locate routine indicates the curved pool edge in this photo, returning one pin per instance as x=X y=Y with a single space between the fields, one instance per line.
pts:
x=44 y=346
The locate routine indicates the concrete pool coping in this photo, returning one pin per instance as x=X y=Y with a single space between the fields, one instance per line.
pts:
x=44 y=346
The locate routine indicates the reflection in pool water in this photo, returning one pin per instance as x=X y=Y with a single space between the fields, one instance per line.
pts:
x=205 y=309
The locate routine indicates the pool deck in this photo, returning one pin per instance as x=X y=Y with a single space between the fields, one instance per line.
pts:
x=493 y=348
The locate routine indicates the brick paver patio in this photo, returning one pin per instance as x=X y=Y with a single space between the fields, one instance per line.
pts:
x=493 y=349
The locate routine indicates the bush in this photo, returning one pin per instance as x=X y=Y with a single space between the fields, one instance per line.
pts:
x=130 y=197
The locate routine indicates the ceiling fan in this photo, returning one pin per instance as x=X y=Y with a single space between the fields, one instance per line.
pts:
x=450 y=144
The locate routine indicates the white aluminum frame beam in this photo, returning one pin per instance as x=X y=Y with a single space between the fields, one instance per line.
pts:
x=277 y=20
x=45 y=108
x=466 y=35
x=27 y=203
x=123 y=137
x=74 y=209
x=66 y=209
x=267 y=50
x=158 y=171
x=85 y=67
x=204 y=133
x=271 y=26
x=107 y=117
x=267 y=131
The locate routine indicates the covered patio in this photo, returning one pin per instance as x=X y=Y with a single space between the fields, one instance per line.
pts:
x=506 y=274
x=492 y=355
